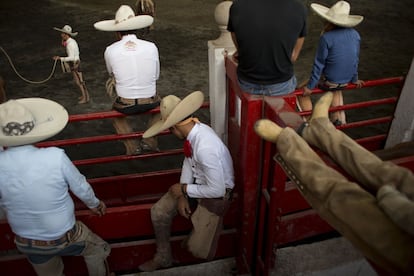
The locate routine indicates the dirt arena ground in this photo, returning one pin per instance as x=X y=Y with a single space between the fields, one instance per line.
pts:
x=182 y=30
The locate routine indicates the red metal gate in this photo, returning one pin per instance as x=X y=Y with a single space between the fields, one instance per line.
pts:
x=274 y=214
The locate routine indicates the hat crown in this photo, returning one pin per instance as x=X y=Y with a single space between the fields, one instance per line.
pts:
x=340 y=9
x=123 y=14
x=13 y=111
x=67 y=28
x=167 y=105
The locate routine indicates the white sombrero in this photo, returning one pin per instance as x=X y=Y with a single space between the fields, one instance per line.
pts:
x=173 y=110
x=125 y=20
x=30 y=120
x=338 y=14
x=67 y=30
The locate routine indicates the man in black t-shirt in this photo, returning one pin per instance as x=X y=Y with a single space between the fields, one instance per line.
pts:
x=268 y=36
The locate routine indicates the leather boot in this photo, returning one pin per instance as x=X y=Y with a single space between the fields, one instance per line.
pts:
x=122 y=126
x=163 y=257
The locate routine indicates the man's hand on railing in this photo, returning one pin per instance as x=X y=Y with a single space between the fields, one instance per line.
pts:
x=307 y=91
x=359 y=83
x=100 y=210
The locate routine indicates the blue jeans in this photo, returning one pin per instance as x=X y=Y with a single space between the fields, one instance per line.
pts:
x=277 y=89
x=46 y=260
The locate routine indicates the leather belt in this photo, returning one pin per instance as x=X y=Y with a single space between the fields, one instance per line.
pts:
x=150 y=100
x=65 y=238
x=327 y=85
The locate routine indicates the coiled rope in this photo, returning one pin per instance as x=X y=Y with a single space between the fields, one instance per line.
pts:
x=23 y=78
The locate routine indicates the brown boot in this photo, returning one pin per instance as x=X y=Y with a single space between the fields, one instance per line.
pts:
x=156 y=263
x=163 y=257
x=122 y=126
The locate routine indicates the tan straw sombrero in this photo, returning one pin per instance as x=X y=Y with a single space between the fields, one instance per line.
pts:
x=173 y=110
x=67 y=30
x=30 y=120
x=338 y=14
x=125 y=20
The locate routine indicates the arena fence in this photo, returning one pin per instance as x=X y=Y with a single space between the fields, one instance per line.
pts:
x=267 y=213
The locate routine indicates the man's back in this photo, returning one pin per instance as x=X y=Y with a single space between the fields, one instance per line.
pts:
x=135 y=65
x=266 y=32
x=34 y=192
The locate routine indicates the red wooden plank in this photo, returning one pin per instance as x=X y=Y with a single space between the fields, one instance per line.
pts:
x=298 y=226
x=132 y=222
x=125 y=257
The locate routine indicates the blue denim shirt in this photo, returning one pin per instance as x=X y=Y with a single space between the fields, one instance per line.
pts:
x=337 y=57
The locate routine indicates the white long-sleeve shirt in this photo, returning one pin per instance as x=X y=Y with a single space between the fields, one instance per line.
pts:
x=34 y=185
x=72 y=50
x=210 y=170
x=135 y=65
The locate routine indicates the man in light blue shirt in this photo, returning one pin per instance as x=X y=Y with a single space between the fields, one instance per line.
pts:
x=34 y=190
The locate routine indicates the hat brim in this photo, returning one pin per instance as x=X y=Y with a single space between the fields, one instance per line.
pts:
x=135 y=23
x=63 y=31
x=348 y=22
x=50 y=118
x=182 y=110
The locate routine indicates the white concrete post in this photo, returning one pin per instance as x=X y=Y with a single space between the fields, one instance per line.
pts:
x=217 y=49
x=402 y=125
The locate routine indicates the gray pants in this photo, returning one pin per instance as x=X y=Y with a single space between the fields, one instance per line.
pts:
x=346 y=205
x=207 y=224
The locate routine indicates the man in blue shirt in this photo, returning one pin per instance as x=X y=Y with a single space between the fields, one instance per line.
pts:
x=34 y=190
x=337 y=56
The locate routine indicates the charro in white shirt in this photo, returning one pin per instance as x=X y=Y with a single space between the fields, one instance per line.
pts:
x=72 y=50
x=209 y=172
x=135 y=64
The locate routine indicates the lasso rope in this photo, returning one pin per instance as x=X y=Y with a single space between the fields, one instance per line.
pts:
x=110 y=87
x=20 y=76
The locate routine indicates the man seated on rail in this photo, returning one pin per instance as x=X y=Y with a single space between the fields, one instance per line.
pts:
x=34 y=190
x=134 y=68
x=376 y=215
x=205 y=189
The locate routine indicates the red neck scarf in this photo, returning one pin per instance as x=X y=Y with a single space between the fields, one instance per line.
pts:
x=188 y=151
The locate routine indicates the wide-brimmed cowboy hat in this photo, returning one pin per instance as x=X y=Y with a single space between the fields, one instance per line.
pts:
x=30 y=120
x=67 y=30
x=125 y=20
x=338 y=14
x=173 y=110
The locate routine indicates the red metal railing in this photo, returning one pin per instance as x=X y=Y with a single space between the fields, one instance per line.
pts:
x=129 y=197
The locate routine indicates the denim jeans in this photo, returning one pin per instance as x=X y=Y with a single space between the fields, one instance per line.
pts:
x=46 y=260
x=277 y=89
